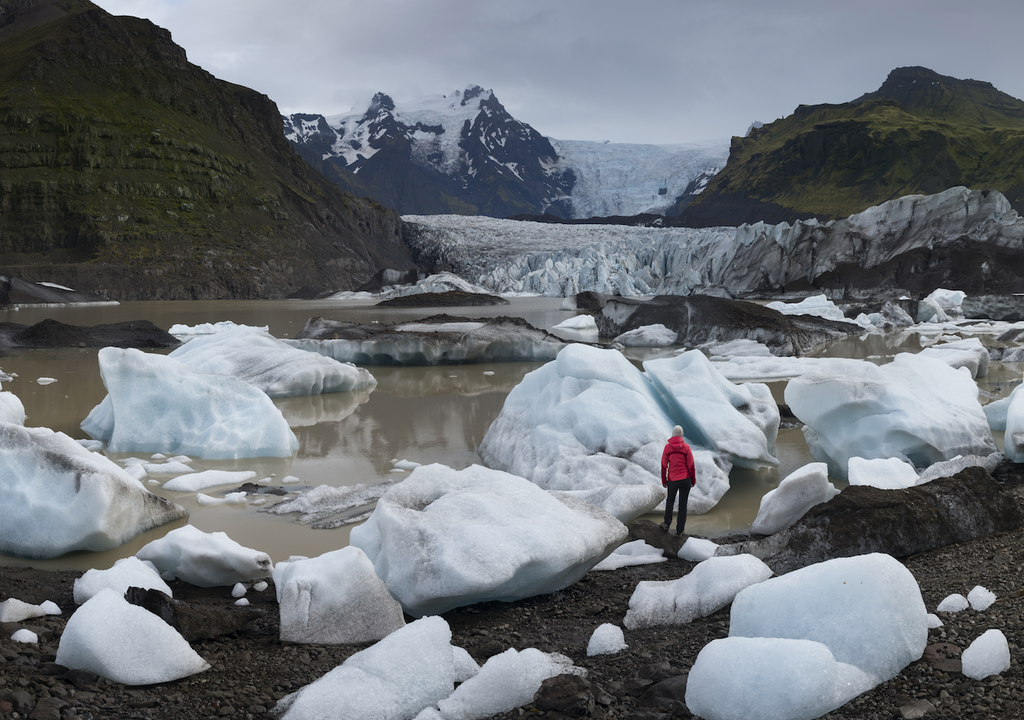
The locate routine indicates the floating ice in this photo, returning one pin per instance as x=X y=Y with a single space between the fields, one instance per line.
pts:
x=505 y=682
x=882 y=473
x=235 y=498
x=915 y=408
x=697 y=549
x=167 y=468
x=656 y=335
x=125 y=643
x=444 y=538
x=410 y=669
x=981 y=598
x=636 y=552
x=211 y=328
x=708 y=588
x=46 y=380
x=334 y=599
x=126 y=572
x=160 y=404
x=272 y=365
x=208 y=479
x=591 y=420
x=987 y=655
x=59 y=497
x=320 y=506
x=742 y=420
x=204 y=559
x=953 y=603
x=818 y=305
x=800 y=491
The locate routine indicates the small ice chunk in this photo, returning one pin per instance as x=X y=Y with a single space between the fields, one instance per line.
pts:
x=167 y=468
x=953 y=603
x=635 y=552
x=241 y=602
x=234 y=498
x=25 y=636
x=697 y=550
x=208 y=479
x=980 y=598
x=988 y=655
x=933 y=621
x=46 y=380
x=238 y=590
x=13 y=611
x=260 y=586
x=606 y=640
x=465 y=666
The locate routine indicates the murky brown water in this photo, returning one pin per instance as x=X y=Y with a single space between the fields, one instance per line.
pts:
x=425 y=415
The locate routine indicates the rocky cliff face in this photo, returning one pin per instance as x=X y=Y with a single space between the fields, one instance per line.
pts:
x=129 y=172
x=920 y=132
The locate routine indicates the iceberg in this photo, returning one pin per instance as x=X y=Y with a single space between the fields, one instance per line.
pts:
x=798 y=492
x=393 y=679
x=443 y=538
x=334 y=599
x=126 y=572
x=917 y=409
x=742 y=420
x=591 y=420
x=987 y=655
x=158 y=404
x=204 y=559
x=59 y=497
x=125 y=643
x=707 y=588
x=272 y=365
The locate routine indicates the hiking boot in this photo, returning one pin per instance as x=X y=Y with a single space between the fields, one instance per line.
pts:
x=678 y=533
x=664 y=526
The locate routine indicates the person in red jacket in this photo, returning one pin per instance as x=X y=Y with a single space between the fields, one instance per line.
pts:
x=678 y=475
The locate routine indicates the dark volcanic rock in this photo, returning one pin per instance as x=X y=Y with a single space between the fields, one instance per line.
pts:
x=54 y=334
x=862 y=519
x=194 y=622
x=451 y=298
x=701 y=319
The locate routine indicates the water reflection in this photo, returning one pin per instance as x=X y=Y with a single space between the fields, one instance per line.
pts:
x=426 y=415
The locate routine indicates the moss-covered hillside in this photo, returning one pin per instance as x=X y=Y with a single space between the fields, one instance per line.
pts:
x=128 y=171
x=921 y=132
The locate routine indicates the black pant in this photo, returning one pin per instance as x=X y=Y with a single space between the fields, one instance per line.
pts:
x=682 y=488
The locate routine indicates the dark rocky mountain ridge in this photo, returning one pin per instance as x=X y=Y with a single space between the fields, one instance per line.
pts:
x=130 y=172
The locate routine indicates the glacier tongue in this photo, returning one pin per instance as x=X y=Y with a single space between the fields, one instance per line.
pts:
x=513 y=257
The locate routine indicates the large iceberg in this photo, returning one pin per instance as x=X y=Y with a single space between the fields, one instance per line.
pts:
x=272 y=365
x=159 y=404
x=444 y=538
x=807 y=642
x=436 y=340
x=58 y=497
x=742 y=420
x=918 y=409
x=592 y=420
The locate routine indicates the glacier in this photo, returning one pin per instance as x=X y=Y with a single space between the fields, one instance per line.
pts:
x=560 y=260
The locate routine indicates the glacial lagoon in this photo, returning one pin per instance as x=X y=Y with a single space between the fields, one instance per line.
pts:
x=418 y=414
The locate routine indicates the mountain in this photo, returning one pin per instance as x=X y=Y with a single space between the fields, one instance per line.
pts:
x=130 y=172
x=463 y=153
x=919 y=133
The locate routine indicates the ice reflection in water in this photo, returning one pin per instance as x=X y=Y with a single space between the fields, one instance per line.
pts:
x=425 y=415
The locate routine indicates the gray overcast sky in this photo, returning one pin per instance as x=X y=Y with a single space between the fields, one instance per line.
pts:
x=643 y=71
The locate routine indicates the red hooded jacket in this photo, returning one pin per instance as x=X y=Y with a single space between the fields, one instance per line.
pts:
x=677 y=462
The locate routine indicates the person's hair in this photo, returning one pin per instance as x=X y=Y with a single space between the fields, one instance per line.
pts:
x=677 y=431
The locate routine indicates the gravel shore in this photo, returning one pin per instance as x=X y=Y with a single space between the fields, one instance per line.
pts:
x=251 y=669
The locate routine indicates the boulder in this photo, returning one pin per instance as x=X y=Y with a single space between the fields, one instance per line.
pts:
x=863 y=519
x=194 y=621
